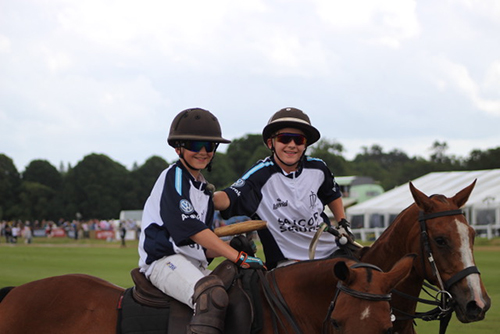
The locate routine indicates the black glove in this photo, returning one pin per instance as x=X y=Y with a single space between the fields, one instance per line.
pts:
x=347 y=227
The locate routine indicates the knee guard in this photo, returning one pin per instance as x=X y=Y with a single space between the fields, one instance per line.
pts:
x=211 y=301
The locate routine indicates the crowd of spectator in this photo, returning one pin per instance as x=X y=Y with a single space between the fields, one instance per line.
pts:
x=13 y=231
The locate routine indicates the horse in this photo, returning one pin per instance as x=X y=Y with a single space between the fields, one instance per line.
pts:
x=78 y=303
x=436 y=229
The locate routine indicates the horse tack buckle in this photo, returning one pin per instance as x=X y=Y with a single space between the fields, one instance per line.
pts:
x=446 y=297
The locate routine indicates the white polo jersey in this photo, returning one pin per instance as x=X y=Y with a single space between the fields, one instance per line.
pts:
x=292 y=204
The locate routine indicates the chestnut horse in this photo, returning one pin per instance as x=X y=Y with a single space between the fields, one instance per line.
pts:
x=79 y=303
x=436 y=229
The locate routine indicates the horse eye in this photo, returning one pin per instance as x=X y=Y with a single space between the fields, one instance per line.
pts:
x=440 y=241
x=335 y=324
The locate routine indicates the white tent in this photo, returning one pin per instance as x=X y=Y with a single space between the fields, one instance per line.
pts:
x=482 y=208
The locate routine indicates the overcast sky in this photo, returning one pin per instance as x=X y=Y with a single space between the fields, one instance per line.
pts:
x=100 y=76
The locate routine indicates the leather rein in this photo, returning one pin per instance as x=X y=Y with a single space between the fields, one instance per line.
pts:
x=443 y=310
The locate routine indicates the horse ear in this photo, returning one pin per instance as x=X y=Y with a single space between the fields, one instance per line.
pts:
x=462 y=196
x=342 y=271
x=399 y=271
x=422 y=200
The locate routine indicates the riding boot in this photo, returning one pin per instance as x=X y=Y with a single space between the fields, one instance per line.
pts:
x=211 y=301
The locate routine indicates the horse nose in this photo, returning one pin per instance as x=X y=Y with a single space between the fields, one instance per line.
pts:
x=474 y=312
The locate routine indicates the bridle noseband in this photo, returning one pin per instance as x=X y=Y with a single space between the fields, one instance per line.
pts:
x=354 y=293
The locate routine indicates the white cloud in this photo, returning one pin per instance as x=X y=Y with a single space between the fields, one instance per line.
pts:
x=458 y=76
x=101 y=74
x=5 y=44
x=386 y=22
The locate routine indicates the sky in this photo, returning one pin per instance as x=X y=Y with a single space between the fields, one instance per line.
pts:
x=108 y=77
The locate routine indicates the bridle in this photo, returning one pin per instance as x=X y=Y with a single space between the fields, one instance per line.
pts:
x=444 y=309
x=278 y=304
x=354 y=293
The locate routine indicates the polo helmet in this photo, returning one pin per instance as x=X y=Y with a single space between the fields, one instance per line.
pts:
x=291 y=118
x=195 y=124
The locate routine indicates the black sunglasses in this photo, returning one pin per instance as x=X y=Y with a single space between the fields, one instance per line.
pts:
x=286 y=138
x=196 y=145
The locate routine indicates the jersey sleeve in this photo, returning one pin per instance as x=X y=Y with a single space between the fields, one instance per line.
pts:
x=329 y=189
x=177 y=211
x=245 y=194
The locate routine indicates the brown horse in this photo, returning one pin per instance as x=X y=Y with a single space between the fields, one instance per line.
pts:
x=436 y=229
x=84 y=304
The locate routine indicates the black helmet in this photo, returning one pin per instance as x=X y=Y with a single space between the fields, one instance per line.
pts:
x=195 y=124
x=291 y=118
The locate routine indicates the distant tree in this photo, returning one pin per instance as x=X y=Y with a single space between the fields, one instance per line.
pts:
x=37 y=201
x=222 y=175
x=10 y=183
x=241 y=152
x=388 y=168
x=98 y=187
x=488 y=159
x=331 y=153
x=41 y=171
x=144 y=177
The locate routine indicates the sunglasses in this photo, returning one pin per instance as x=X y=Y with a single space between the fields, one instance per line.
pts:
x=196 y=146
x=286 y=138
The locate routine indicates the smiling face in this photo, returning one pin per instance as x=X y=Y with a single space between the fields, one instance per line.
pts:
x=288 y=154
x=194 y=161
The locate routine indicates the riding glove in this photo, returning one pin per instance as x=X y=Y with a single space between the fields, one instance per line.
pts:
x=249 y=262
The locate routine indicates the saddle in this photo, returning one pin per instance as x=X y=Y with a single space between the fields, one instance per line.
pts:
x=239 y=315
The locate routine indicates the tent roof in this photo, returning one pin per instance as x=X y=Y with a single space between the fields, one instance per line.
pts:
x=486 y=191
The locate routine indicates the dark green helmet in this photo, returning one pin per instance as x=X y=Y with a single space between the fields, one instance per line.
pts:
x=195 y=124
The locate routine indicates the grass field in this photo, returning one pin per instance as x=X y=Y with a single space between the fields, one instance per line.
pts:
x=20 y=263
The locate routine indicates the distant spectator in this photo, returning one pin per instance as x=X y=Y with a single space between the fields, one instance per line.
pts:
x=27 y=233
x=123 y=232
x=16 y=231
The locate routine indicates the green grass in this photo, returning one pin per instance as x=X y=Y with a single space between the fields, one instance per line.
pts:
x=22 y=263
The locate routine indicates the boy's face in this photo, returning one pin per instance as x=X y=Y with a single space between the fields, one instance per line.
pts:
x=288 y=152
x=198 y=160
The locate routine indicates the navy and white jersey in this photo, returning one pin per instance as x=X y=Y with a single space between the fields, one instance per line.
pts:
x=292 y=204
x=177 y=208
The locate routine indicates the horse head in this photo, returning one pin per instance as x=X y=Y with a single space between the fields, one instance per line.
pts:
x=363 y=296
x=446 y=241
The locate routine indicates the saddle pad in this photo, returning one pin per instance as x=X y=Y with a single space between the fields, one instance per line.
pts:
x=135 y=318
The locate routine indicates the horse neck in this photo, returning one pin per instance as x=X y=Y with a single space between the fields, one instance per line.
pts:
x=308 y=288
x=399 y=239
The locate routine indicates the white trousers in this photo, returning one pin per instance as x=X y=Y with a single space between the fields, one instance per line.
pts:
x=176 y=276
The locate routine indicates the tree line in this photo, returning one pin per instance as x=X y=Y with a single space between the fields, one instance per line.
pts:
x=98 y=187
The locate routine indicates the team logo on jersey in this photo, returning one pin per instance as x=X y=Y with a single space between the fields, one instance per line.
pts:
x=239 y=183
x=312 y=199
x=279 y=204
x=186 y=206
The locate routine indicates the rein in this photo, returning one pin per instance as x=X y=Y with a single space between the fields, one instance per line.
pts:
x=444 y=309
x=354 y=293
x=276 y=300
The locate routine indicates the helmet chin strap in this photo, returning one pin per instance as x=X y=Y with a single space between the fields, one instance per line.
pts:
x=284 y=163
x=209 y=166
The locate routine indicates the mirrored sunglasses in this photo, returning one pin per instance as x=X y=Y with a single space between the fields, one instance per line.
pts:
x=196 y=146
x=286 y=138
